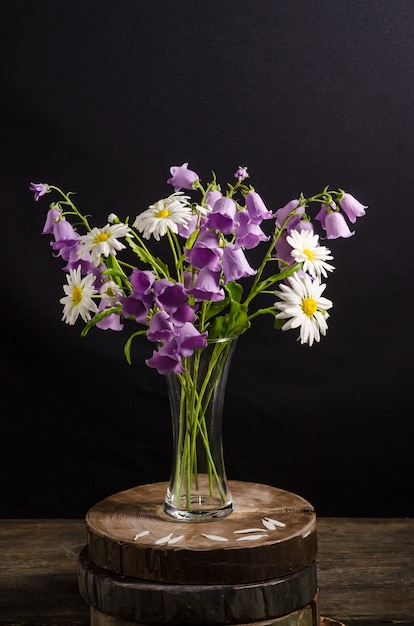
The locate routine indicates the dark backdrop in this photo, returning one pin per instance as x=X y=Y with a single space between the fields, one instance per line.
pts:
x=102 y=98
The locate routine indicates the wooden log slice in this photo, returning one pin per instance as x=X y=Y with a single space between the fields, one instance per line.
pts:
x=303 y=617
x=128 y=533
x=146 y=602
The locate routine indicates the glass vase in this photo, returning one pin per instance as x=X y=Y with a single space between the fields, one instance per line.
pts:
x=198 y=489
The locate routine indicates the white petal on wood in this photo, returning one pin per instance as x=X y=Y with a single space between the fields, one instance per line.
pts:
x=214 y=537
x=268 y=524
x=176 y=539
x=249 y=530
x=141 y=534
x=164 y=539
x=252 y=537
x=275 y=522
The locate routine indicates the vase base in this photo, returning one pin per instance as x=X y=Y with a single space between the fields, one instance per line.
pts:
x=200 y=509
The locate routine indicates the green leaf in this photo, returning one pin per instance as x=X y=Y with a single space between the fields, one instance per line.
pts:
x=100 y=316
x=148 y=258
x=235 y=291
x=192 y=238
x=235 y=321
x=127 y=346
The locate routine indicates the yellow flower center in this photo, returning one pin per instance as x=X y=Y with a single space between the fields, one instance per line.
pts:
x=101 y=237
x=309 y=306
x=163 y=213
x=310 y=254
x=77 y=295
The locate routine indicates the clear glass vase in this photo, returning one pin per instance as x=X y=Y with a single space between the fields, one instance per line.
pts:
x=198 y=488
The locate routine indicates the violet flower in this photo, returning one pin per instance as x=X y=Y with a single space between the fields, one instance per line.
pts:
x=182 y=177
x=141 y=281
x=111 y=321
x=235 y=264
x=136 y=306
x=212 y=196
x=169 y=296
x=160 y=327
x=336 y=226
x=256 y=208
x=352 y=207
x=39 y=189
x=207 y=286
x=52 y=217
x=241 y=173
x=248 y=233
x=282 y=214
x=206 y=252
x=189 y=338
x=222 y=215
x=167 y=359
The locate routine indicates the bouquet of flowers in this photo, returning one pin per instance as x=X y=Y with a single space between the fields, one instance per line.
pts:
x=207 y=290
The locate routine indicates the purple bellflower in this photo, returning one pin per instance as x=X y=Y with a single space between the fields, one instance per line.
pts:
x=352 y=207
x=39 y=189
x=182 y=177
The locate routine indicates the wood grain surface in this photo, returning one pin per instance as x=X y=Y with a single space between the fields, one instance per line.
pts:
x=365 y=571
x=129 y=534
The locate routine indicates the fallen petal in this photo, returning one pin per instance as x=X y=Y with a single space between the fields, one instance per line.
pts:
x=275 y=522
x=268 y=524
x=141 y=534
x=249 y=530
x=176 y=539
x=214 y=537
x=164 y=539
x=252 y=537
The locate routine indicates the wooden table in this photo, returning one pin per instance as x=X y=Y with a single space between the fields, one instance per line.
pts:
x=365 y=571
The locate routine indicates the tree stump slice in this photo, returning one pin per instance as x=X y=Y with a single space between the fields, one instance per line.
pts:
x=146 y=602
x=303 y=617
x=129 y=534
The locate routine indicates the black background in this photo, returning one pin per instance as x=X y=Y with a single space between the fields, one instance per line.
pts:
x=102 y=98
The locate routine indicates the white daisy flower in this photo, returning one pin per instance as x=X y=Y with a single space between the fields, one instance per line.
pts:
x=164 y=214
x=306 y=250
x=111 y=292
x=102 y=242
x=303 y=306
x=78 y=299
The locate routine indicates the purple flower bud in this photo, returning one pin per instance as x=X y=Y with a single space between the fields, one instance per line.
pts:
x=241 y=173
x=336 y=226
x=39 y=189
x=182 y=177
x=352 y=207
